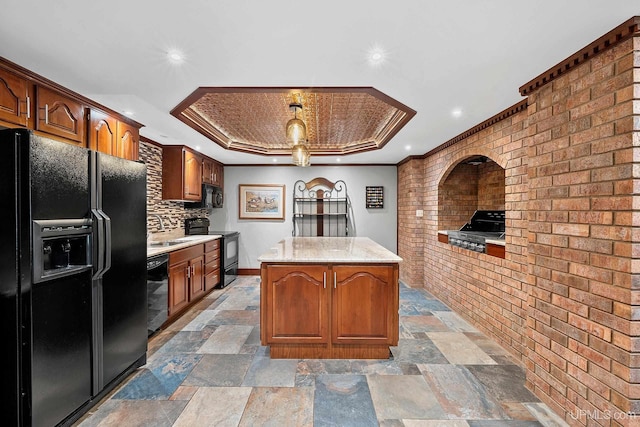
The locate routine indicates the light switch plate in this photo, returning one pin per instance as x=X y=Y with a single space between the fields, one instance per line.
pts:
x=419 y=213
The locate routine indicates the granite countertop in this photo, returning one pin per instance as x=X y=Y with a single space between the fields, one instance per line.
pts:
x=329 y=249
x=163 y=246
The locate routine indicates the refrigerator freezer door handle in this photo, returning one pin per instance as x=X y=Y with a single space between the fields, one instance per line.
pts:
x=98 y=229
x=107 y=241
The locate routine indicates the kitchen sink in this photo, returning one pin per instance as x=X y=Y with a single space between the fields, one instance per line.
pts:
x=165 y=243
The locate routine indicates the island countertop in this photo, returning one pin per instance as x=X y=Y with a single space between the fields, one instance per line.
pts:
x=329 y=249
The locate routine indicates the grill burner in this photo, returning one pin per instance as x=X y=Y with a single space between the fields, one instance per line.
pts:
x=482 y=226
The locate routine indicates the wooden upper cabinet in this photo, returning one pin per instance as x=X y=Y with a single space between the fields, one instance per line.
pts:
x=212 y=172
x=102 y=132
x=111 y=136
x=128 y=141
x=15 y=99
x=192 y=176
x=217 y=178
x=181 y=174
x=207 y=171
x=59 y=115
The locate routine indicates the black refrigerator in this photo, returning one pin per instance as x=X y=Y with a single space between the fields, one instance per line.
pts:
x=73 y=301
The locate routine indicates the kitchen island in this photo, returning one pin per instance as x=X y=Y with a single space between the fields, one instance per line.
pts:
x=329 y=297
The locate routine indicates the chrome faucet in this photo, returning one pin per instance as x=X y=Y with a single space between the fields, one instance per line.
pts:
x=161 y=222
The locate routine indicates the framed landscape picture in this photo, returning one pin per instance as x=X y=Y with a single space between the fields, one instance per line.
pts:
x=261 y=201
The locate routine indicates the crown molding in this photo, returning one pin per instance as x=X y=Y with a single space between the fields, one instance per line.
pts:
x=619 y=34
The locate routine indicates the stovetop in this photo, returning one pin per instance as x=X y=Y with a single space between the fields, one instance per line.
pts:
x=225 y=233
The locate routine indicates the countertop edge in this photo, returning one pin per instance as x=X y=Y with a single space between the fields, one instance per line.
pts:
x=274 y=255
x=153 y=251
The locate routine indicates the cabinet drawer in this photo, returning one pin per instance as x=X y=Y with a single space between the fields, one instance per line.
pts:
x=185 y=254
x=212 y=256
x=212 y=245
x=212 y=279
x=211 y=267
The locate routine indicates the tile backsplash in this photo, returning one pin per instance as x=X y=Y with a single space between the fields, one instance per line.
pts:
x=172 y=213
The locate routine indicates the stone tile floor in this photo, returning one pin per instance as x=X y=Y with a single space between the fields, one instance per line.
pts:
x=209 y=369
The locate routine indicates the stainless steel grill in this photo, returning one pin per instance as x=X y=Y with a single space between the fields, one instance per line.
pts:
x=483 y=226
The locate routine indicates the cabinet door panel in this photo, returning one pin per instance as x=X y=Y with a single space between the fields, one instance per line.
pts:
x=128 y=141
x=178 y=287
x=14 y=103
x=363 y=304
x=217 y=174
x=297 y=304
x=207 y=171
x=197 y=278
x=60 y=116
x=102 y=132
x=192 y=176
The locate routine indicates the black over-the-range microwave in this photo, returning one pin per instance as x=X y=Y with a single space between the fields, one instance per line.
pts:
x=211 y=198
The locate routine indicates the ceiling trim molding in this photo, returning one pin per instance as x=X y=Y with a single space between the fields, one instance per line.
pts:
x=188 y=112
x=504 y=114
x=614 y=37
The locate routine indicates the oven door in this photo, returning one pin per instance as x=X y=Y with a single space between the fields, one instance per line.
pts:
x=230 y=258
x=230 y=250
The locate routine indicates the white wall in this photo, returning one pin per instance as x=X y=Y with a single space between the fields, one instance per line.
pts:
x=256 y=237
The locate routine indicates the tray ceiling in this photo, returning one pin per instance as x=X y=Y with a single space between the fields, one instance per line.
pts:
x=339 y=120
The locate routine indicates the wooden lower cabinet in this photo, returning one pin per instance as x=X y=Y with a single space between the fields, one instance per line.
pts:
x=329 y=311
x=186 y=278
x=364 y=305
x=193 y=272
x=178 y=287
x=297 y=307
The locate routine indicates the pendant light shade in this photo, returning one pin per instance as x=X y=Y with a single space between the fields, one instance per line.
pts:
x=296 y=129
x=300 y=155
x=297 y=137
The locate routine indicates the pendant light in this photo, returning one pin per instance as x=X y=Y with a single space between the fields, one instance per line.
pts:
x=300 y=155
x=297 y=137
x=296 y=129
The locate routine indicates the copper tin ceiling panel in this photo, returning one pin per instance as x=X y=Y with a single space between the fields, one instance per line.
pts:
x=339 y=120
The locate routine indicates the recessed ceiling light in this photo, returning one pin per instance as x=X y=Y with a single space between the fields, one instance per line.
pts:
x=407 y=147
x=376 y=56
x=456 y=112
x=275 y=160
x=128 y=113
x=175 y=56
x=338 y=160
x=198 y=147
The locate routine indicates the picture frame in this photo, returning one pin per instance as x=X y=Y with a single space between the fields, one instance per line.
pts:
x=261 y=201
x=374 y=197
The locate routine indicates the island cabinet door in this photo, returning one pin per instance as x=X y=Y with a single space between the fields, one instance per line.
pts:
x=297 y=306
x=364 y=305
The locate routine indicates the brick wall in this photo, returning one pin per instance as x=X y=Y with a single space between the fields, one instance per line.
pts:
x=458 y=197
x=583 y=314
x=410 y=227
x=566 y=299
x=491 y=189
x=173 y=213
